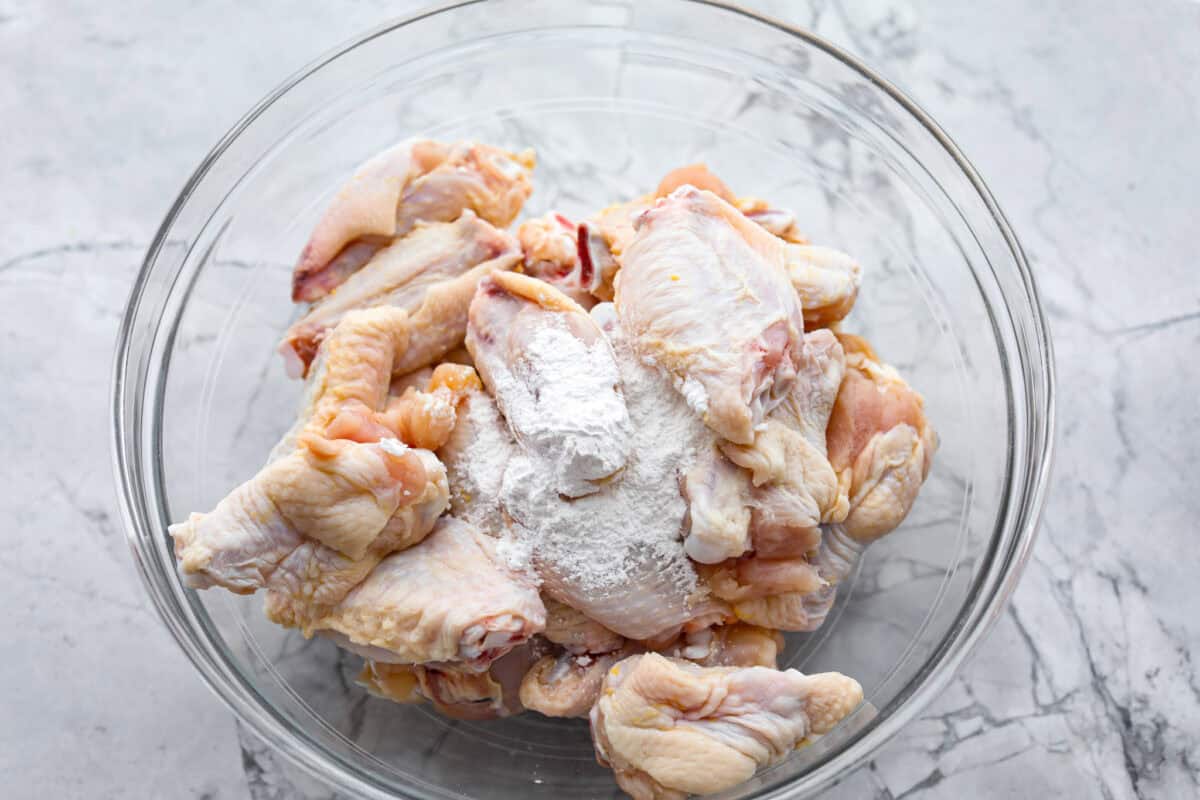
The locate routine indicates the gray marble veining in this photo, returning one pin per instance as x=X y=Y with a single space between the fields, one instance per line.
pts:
x=1081 y=116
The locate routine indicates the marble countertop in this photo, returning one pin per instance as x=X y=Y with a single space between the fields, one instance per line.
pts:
x=1083 y=118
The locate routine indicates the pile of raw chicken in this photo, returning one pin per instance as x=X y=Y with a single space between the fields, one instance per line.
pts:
x=592 y=469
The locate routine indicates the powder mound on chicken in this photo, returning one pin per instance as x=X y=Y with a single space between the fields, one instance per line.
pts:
x=593 y=466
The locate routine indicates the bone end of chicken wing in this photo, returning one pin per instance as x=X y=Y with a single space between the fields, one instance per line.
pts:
x=735 y=644
x=667 y=726
x=453 y=691
x=395 y=682
x=574 y=258
x=829 y=698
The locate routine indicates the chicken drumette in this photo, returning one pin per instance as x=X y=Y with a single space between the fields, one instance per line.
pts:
x=341 y=492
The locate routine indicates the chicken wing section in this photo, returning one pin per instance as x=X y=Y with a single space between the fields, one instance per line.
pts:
x=448 y=599
x=879 y=438
x=704 y=293
x=430 y=273
x=669 y=728
x=417 y=180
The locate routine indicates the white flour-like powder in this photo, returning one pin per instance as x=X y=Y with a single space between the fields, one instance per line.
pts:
x=475 y=456
x=617 y=554
x=562 y=401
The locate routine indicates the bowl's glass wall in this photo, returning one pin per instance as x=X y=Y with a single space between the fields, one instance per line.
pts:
x=611 y=95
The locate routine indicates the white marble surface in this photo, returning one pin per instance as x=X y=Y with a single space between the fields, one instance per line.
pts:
x=1081 y=115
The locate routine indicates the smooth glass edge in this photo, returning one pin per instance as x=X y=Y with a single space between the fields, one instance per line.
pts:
x=955 y=652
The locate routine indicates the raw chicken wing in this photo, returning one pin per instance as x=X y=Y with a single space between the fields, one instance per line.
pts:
x=448 y=599
x=703 y=292
x=669 y=728
x=879 y=437
x=313 y=578
x=338 y=494
x=778 y=221
x=416 y=180
x=769 y=592
x=431 y=273
x=826 y=280
x=615 y=554
x=476 y=454
x=426 y=419
x=342 y=492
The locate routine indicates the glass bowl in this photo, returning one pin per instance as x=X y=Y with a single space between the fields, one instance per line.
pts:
x=611 y=94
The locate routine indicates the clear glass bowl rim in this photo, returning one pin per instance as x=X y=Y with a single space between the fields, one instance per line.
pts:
x=1000 y=576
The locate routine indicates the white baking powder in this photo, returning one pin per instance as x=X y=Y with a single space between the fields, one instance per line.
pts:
x=561 y=396
x=631 y=526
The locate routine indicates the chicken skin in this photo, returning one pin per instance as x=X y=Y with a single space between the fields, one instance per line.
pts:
x=786 y=487
x=417 y=180
x=704 y=293
x=430 y=273
x=826 y=281
x=669 y=728
x=448 y=599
